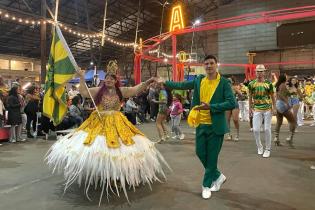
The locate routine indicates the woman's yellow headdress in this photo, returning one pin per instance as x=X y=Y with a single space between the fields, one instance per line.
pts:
x=112 y=67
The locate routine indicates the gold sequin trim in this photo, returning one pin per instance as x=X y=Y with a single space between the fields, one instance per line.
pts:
x=113 y=125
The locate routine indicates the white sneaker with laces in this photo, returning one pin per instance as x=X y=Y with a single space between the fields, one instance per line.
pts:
x=236 y=138
x=182 y=136
x=206 y=192
x=266 y=154
x=12 y=140
x=217 y=184
x=175 y=137
x=260 y=150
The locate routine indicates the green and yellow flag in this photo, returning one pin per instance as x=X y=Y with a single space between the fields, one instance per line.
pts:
x=61 y=68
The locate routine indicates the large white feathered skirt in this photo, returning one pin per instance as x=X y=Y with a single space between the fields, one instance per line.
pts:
x=110 y=153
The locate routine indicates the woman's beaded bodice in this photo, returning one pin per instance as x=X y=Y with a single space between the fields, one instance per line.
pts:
x=110 y=102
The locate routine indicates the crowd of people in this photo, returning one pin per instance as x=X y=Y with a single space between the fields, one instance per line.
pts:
x=284 y=96
x=21 y=112
x=211 y=101
x=296 y=96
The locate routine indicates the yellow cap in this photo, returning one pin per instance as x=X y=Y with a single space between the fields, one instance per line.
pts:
x=193 y=119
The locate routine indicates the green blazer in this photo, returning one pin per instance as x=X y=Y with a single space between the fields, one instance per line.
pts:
x=223 y=99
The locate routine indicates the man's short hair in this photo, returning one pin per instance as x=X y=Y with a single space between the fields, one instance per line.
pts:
x=211 y=57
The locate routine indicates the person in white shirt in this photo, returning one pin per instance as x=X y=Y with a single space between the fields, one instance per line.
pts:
x=130 y=110
x=96 y=80
x=73 y=92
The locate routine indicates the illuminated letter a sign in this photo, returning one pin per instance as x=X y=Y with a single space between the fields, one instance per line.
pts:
x=177 y=19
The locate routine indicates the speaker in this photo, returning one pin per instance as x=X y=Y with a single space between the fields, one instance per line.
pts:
x=296 y=34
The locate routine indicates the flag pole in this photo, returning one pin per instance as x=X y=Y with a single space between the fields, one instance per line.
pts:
x=56 y=11
x=104 y=23
x=56 y=22
x=98 y=113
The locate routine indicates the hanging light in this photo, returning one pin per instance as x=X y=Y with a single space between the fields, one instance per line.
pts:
x=62 y=26
x=197 y=22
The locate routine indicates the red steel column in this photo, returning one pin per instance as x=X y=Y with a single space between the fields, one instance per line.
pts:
x=174 y=63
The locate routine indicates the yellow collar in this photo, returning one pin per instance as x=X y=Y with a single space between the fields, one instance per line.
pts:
x=217 y=78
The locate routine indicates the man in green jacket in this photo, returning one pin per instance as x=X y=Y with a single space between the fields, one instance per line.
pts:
x=212 y=97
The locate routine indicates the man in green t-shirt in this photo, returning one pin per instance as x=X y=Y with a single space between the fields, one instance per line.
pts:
x=261 y=102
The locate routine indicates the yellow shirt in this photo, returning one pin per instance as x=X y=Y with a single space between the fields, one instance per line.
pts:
x=207 y=89
x=308 y=90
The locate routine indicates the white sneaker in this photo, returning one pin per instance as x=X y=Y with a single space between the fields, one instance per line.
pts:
x=288 y=138
x=266 y=154
x=12 y=140
x=251 y=130
x=217 y=184
x=236 y=138
x=182 y=137
x=21 y=140
x=260 y=151
x=229 y=137
x=312 y=125
x=175 y=137
x=206 y=192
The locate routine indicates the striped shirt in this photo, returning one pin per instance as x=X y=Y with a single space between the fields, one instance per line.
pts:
x=261 y=94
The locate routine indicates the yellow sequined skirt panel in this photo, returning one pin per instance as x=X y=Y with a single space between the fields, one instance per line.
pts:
x=113 y=125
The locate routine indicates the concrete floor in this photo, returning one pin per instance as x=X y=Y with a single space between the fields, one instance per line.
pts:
x=282 y=182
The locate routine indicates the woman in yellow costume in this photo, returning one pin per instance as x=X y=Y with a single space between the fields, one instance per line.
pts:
x=107 y=150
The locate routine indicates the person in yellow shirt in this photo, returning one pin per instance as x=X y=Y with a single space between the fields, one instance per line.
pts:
x=309 y=87
x=212 y=97
x=308 y=90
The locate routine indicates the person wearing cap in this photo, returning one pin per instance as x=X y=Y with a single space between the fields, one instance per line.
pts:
x=261 y=104
x=213 y=96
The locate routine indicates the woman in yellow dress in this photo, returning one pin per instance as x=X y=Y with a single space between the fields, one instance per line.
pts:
x=107 y=150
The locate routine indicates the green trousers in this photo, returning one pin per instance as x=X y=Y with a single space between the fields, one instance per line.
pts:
x=208 y=147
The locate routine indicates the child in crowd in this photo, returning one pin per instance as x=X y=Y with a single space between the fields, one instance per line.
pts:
x=176 y=114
